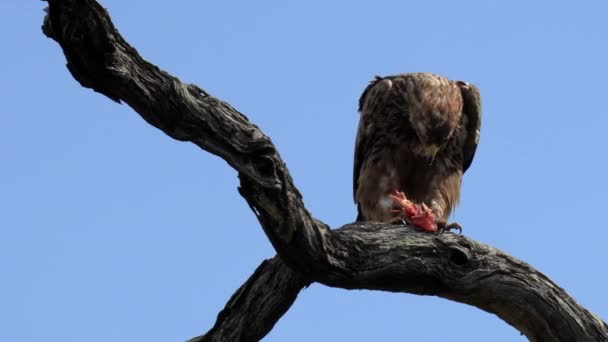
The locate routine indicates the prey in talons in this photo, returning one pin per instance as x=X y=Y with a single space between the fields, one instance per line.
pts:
x=420 y=216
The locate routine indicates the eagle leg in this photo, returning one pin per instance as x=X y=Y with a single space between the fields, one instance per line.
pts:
x=419 y=216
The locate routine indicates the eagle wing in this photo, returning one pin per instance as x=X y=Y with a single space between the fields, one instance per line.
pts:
x=472 y=111
x=371 y=101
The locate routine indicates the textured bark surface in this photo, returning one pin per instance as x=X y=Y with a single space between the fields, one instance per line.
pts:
x=257 y=305
x=356 y=256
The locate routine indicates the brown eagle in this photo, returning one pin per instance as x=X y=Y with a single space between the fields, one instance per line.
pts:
x=417 y=135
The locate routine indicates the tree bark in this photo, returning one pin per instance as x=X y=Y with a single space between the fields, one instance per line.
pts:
x=356 y=256
x=257 y=305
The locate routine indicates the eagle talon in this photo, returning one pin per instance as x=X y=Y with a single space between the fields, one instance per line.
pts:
x=398 y=219
x=443 y=227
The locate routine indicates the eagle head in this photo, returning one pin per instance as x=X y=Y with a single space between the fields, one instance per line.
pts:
x=433 y=131
x=434 y=114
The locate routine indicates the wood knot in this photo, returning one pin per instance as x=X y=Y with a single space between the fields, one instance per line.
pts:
x=458 y=255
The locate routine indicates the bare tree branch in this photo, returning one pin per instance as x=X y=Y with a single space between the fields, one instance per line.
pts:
x=257 y=305
x=357 y=256
x=99 y=58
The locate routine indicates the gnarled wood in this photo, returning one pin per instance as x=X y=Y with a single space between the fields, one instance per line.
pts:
x=356 y=256
x=257 y=305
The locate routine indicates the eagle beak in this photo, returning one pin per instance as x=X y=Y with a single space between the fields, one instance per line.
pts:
x=431 y=150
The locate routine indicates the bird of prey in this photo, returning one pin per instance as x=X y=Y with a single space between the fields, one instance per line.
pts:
x=417 y=135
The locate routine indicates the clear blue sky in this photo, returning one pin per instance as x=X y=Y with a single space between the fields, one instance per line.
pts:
x=111 y=231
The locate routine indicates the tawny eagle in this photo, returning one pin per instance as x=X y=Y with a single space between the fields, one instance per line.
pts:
x=417 y=136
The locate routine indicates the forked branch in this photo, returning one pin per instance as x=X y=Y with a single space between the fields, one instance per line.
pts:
x=356 y=256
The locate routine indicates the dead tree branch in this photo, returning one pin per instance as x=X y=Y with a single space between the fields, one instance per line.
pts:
x=356 y=256
x=257 y=305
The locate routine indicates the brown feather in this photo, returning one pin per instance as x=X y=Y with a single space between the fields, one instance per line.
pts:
x=401 y=117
